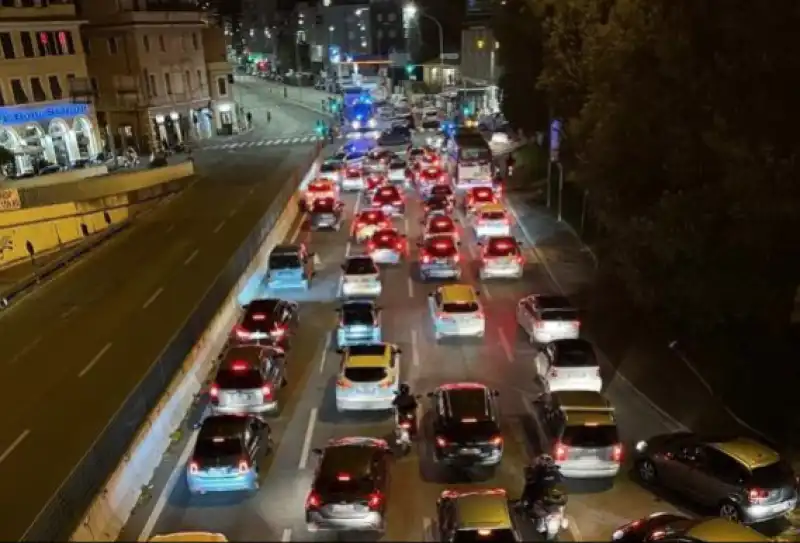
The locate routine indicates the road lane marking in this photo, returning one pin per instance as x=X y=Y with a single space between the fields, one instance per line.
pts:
x=191 y=257
x=357 y=206
x=414 y=348
x=153 y=298
x=95 y=360
x=505 y=345
x=427 y=522
x=25 y=350
x=251 y=191
x=166 y=490
x=312 y=421
x=169 y=229
x=406 y=226
x=219 y=226
x=232 y=212
x=68 y=312
x=410 y=283
x=347 y=249
x=286 y=535
x=484 y=288
x=572 y=528
x=14 y=445
x=325 y=353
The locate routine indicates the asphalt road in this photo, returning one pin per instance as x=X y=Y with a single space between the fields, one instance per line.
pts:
x=72 y=350
x=503 y=359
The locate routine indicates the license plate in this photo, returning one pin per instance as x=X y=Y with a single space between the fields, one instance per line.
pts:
x=243 y=397
x=587 y=453
x=342 y=508
x=470 y=451
x=216 y=472
x=366 y=389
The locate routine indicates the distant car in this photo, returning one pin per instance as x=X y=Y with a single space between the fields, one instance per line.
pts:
x=320 y=188
x=353 y=178
x=671 y=528
x=429 y=177
x=361 y=277
x=369 y=377
x=387 y=246
x=359 y=324
x=545 y=318
x=397 y=136
x=248 y=380
x=439 y=225
x=456 y=311
x=491 y=220
x=430 y=118
x=290 y=267
x=569 y=364
x=331 y=170
x=437 y=205
x=326 y=213
x=439 y=258
x=227 y=453
x=350 y=486
x=398 y=172
x=477 y=197
x=475 y=516
x=442 y=189
x=267 y=320
x=355 y=158
x=501 y=256
x=367 y=222
x=372 y=182
x=388 y=199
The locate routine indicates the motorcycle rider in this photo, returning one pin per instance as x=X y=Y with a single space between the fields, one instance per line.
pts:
x=541 y=477
x=405 y=403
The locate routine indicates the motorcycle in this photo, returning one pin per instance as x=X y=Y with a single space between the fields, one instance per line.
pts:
x=549 y=514
x=405 y=429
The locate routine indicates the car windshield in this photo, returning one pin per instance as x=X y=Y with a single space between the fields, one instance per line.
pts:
x=476 y=154
x=431 y=173
x=360 y=266
x=329 y=168
x=319 y=187
x=437 y=202
x=323 y=206
x=441 y=225
x=284 y=262
x=460 y=307
x=230 y=378
x=503 y=535
x=773 y=475
x=385 y=237
x=574 y=356
x=502 y=247
x=365 y=374
x=493 y=215
x=357 y=315
x=216 y=447
x=354 y=156
x=590 y=436
x=441 y=190
x=397 y=164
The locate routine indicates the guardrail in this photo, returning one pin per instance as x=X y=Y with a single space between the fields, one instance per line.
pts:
x=60 y=516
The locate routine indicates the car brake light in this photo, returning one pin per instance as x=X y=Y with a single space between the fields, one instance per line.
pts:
x=441 y=442
x=616 y=453
x=240 y=365
x=244 y=466
x=194 y=467
x=484 y=532
x=496 y=441
x=343 y=477
x=370 y=246
x=405 y=425
x=313 y=501
x=266 y=391
x=399 y=245
x=213 y=393
x=456 y=257
x=560 y=452
x=426 y=259
x=241 y=332
x=757 y=495
x=258 y=317
x=375 y=500
x=278 y=330
x=341 y=382
x=505 y=221
x=520 y=260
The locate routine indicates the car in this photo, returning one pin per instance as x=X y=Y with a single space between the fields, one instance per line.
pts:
x=380 y=155
x=387 y=246
x=672 y=528
x=359 y=323
x=318 y=189
x=501 y=257
x=477 y=197
x=569 y=364
x=267 y=320
x=441 y=189
x=353 y=178
x=456 y=311
x=373 y=182
x=332 y=170
x=437 y=205
x=227 y=453
x=470 y=516
x=491 y=220
x=290 y=266
x=430 y=118
x=189 y=537
x=388 y=199
x=581 y=431
x=439 y=258
x=355 y=158
x=369 y=377
x=248 y=380
x=397 y=136
x=429 y=176
x=397 y=172
x=326 y=213
x=376 y=161
x=360 y=277
x=350 y=486
x=742 y=479
x=339 y=157
x=367 y=222
x=547 y=317
x=440 y=225
x=466 y=426
x=415 y=154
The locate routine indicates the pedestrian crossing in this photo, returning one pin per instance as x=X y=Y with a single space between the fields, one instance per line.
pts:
x=272 y=142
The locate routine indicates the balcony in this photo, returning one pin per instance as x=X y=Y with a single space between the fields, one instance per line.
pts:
x=81 y=90
x=126 y=85
x=22 y=10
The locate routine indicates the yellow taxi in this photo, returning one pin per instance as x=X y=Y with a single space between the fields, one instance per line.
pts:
x=456 y=311
x=369 y=377
x=197 y=537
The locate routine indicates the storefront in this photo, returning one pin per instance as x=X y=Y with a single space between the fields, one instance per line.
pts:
x=48 y=136
x=227 y=117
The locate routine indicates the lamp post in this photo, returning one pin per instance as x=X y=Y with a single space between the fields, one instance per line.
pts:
x=411 y=11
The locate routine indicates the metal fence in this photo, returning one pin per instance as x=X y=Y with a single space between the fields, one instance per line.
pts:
x=59 y=518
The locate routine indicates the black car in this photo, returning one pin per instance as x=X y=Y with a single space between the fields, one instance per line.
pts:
x=466 y=426
x=326 y=213
x=268 y=320
x=438 y=204
x=475 y=516
x=350 y=486
x=248 y=380
x=397 y=136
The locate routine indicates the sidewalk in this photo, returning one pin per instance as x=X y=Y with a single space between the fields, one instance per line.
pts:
x=306 y=97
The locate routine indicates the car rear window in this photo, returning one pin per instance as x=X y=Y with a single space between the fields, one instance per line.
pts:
x=575 y=358
x=329 y=167
x=441 y=247
x=387 y=192
x=217 y=448
x=773 y=475
x=502 y=535
x=397 y=164
x=239 y=379
x=284 y=262
x=559 y=314
x=460 y=307
x=590 y=436
x=441 y=190
x=357 y=315
x=502 y=247
x=493 y=215
x=365 y=375
x=470 y=404
x=323 y=206
x=360 y=266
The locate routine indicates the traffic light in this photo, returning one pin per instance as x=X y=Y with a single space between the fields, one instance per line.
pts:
x=320 y=128
x=467 y=110
x=409 y=69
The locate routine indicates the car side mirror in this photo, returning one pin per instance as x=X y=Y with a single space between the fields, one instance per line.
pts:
x=318 y=452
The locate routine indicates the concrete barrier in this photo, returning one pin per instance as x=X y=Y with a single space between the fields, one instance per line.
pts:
x=112 y=507
x=68 y=176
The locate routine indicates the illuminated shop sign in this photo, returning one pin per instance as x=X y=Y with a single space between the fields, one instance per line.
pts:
x=20 y=116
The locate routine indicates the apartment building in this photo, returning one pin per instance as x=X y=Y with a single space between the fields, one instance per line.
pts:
x=46 y=115
x=148 y=72
x=479 y=68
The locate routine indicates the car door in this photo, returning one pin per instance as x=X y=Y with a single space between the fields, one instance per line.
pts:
x=544 y=360
x=680 y=470
x=253 y=438
x=524 y=314
x=715 y=476
x=394 y=363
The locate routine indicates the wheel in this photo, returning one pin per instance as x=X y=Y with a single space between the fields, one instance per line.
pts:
x=728 y=510
x=647 y=471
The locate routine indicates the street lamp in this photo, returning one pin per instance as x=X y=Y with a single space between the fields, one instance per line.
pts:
x=411 y=12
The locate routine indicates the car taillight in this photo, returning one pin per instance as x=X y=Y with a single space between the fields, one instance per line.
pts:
x=405 y=425
x=244 y=466
x=616 y=453
x=426 y=259
x=194 y=467
x=341 y=382
x=539 y=324
x=397 y=202
x=384 y=224
x=456 y=258
x=370 y=246
x=313 y=501
x=213 y=393
x=278 y=330
x=757 y=495
x=399 y=245
x=266 y=391
x=496 y=441
x=520 y=260
x=441 y=442
x=505 y=221
x=375 y=500
x=241 y=332
x=560 y=452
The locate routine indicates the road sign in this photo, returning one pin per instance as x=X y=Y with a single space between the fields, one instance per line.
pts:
x=555 y=139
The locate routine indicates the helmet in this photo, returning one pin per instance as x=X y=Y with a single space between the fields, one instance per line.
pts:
x=405 y=389
x=545 y=460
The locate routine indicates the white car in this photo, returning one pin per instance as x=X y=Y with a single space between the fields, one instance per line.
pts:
x=569 y=364
x=491 y=220
x=545 y=318
x=500 y=138
x=331 y=170
x=361 y=277
x=501 y=257
x=354 y=158
x=369 y=377
x=398 y=172
x=456 y=311
x=353 y=179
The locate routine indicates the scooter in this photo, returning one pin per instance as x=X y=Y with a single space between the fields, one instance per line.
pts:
x=549 y=515
x=405 y=429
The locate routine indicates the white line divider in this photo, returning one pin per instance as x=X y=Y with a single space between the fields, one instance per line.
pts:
x=112 y=508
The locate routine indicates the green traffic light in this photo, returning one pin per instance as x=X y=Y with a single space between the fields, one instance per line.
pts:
x=409 y=68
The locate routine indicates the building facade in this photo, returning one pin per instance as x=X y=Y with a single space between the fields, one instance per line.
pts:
x=389 y=33
x=225 y=114
x=148 y=71
x=479 y=68
x=46 y=116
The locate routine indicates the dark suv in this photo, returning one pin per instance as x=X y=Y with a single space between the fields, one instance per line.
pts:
x=350 y=486
x=270 y=321
x=466 y=426
x=475 y=516
x=744 y=480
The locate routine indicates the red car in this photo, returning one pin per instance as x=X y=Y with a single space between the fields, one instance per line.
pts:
x=429 y=176
x=440 y=225
x=367 y=222
x=477 y=197
x=387 y=246
x=389 y=199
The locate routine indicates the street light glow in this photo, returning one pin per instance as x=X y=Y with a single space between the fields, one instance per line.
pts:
x=331 y=28
x=410 y=10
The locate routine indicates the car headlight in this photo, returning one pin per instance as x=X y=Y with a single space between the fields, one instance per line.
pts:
x=372 y=123
x=641 y=446
x=356 y=125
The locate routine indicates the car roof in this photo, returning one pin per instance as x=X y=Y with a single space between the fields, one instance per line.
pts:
x=493 y=208
x=353 y=459
x=477 y=510
x=285 y=248
x=573 y=345
x=458 y=293
x=721 y=530
x=242 y=353
x=750 y=453
x=223 y=426
x=355 y=358
x=262 y=305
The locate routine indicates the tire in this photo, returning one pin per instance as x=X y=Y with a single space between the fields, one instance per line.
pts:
x=729 y=510
x=646 y=471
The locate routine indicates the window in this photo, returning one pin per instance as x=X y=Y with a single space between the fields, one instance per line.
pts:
x=37 y=90
x=161 y=45
x=222 y=86
x=7 y=45
x=55 y=87
x=87 y=45
x=18 y=92
x=392 y=17
x=188 y=80
x=95 y=86
x=195 y=43
x=65 y=44
x=27 y=44
x=200 y=79
x=113 y=46
x=47 y=44
x=146 y=43
x=153 y=85
x=168 y=83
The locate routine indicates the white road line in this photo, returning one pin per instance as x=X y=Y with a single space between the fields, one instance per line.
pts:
x=169 y=229
x=324 y=355
x=14 y=445
x=357 y=206
x=406 y=225
x=472 y=251
x=484 y=288
x=287 y=535
x=427 y=522
x=414 y=348
x=66 y=314
x=153 y=298
x=312 y=421
x=95 y=360
x=161 y=502
x=347 y=249
x=572 y=528
x=219 y=226
x=505 y=345
x=410 y=287
x=232 y=212
x=251 y=191
x=191 y=257
x=296 y=140
x=25 y=350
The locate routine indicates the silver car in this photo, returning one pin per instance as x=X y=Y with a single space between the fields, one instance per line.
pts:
x=248 y=380
x=546 y=318
x=361 y=277
x=387 y=246
x=439 y=258
x=501 y=257
x=359 y=324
